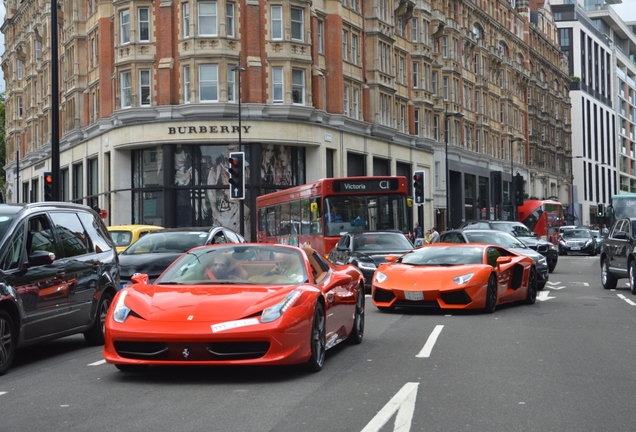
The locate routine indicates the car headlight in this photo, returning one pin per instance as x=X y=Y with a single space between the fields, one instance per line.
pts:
x=552 y=247
x=380 y=277
x=463 y=279
x=121 y=311
x=542 y=262
x=273 y=313
x=363 y=265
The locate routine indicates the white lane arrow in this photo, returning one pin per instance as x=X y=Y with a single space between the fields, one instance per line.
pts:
x=404 y=403
x=552 y=285
x=544 y=295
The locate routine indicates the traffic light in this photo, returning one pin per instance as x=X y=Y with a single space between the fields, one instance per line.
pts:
x=600 y=210
x=237 y=175
x=48 y=186
x=419 y=182
x=518 y=190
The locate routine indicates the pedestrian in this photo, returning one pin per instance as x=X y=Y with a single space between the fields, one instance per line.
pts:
x=417 y=232
x=434 y=235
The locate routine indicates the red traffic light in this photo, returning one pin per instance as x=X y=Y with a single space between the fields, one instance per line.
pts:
x=48 y=178
x=233 y=161
x=417 y=177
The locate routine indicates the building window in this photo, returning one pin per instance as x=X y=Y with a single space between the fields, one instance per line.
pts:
x=416 y=121
x=19 y=107
x=231 y=84
x=414 y=30
x=93 y=183
x=356 y=103
x=209 y=83
x=444 y=41
x=345 y=45
x=298 y=86
x=186 y=84
x=144 y=25
x=19 y=68
x=144 y=87
x=185 y=9
x=445 y=81
x=346 y=101
x=207 y=18
x=229 y=19
x=277 y=22
x=321 y=43
x=125 y=94
x=78 y=183
x=354 y=48
x=297 y=24
x=277 y=84
x=416 y=74
x=124 y=26
x=434 y=83
x=38 y=50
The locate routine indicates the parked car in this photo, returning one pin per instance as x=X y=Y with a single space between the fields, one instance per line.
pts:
x=125 y=235
x=455 y=276
x=578 y=241
x=58 y=274
x=503 y=239
x=523 y=233
x=367 y=250
x=618 y=255
x=155 y=251
x=191 y=316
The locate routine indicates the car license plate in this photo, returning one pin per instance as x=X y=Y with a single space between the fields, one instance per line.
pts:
x=414 y=295
x=575 y=248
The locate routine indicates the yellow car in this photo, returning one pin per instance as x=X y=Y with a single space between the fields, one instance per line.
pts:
x=125 y=235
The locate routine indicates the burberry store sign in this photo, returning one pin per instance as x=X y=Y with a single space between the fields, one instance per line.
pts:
x=185 y=130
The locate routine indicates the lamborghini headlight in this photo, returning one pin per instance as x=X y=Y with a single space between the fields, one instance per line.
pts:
x=273 y=313
x=121 y=311
x=463 y=280
x=380 y=277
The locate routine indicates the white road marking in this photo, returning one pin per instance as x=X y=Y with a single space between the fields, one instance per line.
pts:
x=97 y=363
x=404 y=403
x=2 y=393
x=628 y=301
x=428 y=346
x=544 y=295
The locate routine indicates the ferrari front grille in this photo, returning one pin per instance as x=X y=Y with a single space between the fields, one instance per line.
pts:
x=383 y=296
x=456 y=297
x=197 y=351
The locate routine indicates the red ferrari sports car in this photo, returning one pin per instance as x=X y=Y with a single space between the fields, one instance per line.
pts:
x=237 y=304
x=455 y=276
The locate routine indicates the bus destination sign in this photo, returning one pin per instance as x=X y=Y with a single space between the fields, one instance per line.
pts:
x=377 y=185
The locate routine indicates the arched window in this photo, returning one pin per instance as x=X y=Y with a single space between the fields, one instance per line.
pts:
x=503 y=48
x=478 y=31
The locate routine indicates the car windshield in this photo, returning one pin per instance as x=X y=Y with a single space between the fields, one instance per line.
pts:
x=517 y=230
x=381 y=242
x=167 y=242
x=498 y=238
x=444 y=255
x=237 y=264
x=576 y=234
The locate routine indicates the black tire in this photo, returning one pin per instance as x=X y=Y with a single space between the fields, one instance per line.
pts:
x=540 y=286
x=318 y=340
x=607 y=280
x=357 y=332
x=491 y=295
x=95 y=335
x=531 y=297
x=131 y=368
x=551 y=268
x=7 y=341
x=632 y=277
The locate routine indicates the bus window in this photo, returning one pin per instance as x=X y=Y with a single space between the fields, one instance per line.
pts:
x=285 y=219
x=295 y=217
x=305 y=217
x=315 y=220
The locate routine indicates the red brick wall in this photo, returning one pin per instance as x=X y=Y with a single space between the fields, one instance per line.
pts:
x=334 y=61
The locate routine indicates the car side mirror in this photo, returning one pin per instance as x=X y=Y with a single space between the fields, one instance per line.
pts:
x=140 y=278
x=391 y=258
x=39 y=258
x=621 y=235
x=342 y=248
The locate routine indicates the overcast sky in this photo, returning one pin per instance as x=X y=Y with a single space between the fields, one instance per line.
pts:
x=627 y=10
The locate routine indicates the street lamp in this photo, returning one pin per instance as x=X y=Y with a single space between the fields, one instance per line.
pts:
x=238 y=69
x=446 y=125
x=513 y=204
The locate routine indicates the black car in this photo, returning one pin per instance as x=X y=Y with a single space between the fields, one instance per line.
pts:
x=578 y=241
x=523 y=233
x=368 y=249
x=500 y=238
x=155 y=251
x=618 y=255
x=58 y=274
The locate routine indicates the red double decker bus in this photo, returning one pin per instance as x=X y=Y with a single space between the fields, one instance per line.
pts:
x=319 y=213
x=543 y=217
